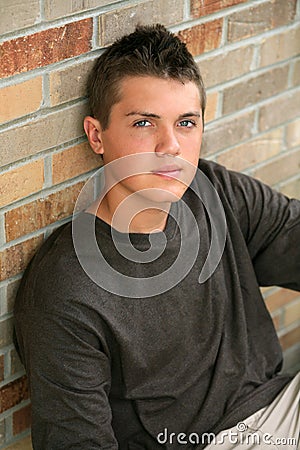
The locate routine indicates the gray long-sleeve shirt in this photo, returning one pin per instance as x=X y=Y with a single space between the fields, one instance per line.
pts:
x=108 y=370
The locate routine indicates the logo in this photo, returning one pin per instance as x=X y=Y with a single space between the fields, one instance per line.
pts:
x=117 y=172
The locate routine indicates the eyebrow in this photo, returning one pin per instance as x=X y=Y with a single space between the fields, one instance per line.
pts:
x=155 y=116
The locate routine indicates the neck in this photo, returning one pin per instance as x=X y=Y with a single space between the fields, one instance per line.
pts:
x=138 y=216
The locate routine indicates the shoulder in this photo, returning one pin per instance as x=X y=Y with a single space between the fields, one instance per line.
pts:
x=54 y=277
x=237 y=188
x=221 y=176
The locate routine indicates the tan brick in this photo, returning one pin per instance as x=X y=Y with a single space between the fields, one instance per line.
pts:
x=280 y=298
x=255 y=89
x=201 y=8
x=226 y=133
x=16 y=15
x=23 y=444
x=291 y=360
x=277 y=320
x=11 y=294
x=56 y=8
x=46 y=47
x=38 y=214
x=1 y=367
x=226 y=66
x=34 y=137
x=2 y=432
x=279 y=47
x=280 y=110
x=73 y=162
x=282 y=168
x=291 y=338
x=296 y=75
x=211 y=106
x=6 y=332
x=70 y=83
x=293 y=134
x=260 y=18
x=266 y=290
x=202 y=38
x=292 y=313
x=21 y=182
x=13 y=393
x=14 y=259
x=291 y=188
x=16 y=365
x=22 y=420
x=21 y=99
x=114 y=24
x=252 y=152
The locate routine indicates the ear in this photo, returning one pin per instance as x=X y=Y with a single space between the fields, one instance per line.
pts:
x=93 y=131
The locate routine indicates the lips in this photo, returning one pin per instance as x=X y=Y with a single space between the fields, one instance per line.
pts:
x=172 y=171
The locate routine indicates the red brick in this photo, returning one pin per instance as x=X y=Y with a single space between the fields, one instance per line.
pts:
x=40 y=213
x=202 y=38
x=13 y=393
x=22 y=420
x=14 y=259
x=204 y=7
x=46 y=47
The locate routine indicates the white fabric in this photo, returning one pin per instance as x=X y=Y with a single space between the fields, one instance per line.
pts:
x=275 y=427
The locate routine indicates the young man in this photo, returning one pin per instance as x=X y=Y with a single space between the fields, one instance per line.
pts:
x=115 y=360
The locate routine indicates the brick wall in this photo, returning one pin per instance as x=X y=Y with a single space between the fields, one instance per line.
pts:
x=248 y=52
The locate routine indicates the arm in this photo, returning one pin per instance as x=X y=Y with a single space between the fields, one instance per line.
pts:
x=69 y=375
x=271 y=225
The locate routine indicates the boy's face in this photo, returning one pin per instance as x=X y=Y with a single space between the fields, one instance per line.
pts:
x=160 y=118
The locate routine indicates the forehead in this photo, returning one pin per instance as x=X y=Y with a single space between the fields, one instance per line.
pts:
x=159 y=93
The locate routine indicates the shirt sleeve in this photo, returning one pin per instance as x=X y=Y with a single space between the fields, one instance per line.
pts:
x=270 y=222
x=69 y=374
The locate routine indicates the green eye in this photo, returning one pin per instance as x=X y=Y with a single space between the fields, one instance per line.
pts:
x=142 y=123
x=187 y=123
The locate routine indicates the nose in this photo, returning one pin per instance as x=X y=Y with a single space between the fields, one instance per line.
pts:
x=167 y=143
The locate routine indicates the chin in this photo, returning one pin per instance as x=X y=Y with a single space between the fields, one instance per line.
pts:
x=164 y=195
